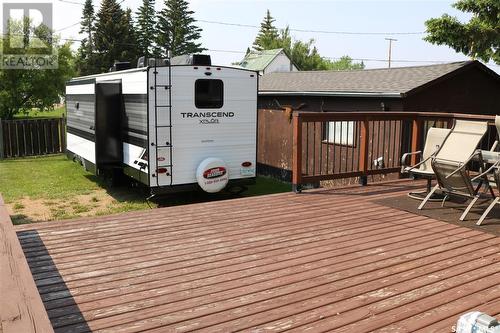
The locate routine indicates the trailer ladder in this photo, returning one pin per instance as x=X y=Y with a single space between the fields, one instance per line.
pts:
x=167 y=144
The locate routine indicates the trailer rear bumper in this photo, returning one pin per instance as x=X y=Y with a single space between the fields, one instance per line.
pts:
x=194 y=186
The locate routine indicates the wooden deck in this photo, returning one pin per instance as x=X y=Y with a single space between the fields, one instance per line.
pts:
x=315 y=262
x=21 y=309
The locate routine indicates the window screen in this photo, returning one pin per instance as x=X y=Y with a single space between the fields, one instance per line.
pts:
x=208 y=94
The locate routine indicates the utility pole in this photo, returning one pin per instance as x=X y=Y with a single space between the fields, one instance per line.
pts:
x=390 y=48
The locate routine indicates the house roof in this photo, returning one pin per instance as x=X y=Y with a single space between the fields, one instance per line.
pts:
x=389 y=82
x=259 y=60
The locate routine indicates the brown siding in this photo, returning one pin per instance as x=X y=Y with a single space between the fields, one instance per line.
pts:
x=328 y=103
x=470 y=91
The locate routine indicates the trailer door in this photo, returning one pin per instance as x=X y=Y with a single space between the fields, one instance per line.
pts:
x=109 y=110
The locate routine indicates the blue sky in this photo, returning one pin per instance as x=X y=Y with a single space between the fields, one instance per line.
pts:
x=350 y=16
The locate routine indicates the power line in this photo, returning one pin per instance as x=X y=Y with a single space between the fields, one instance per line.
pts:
x=71 y=2
x=264 y=52
x=80 y=3
x=291 y=29
x=69 y=26
x=339 y=58
x=318 y=31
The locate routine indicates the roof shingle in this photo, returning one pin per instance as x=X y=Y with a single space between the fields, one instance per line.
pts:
x=385 y=80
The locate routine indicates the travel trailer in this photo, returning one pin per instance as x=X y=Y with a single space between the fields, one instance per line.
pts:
x=171 y=125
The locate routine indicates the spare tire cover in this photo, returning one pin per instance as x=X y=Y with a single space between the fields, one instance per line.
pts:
x=212 y=174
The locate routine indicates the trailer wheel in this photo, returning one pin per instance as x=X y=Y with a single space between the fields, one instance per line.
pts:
x=236 y=189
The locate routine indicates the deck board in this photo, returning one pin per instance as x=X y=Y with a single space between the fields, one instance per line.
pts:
x=324 y=260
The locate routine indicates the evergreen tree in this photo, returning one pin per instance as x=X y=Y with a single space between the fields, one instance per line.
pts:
x=85 y=61
x=145 y=28
x=267 y=34
x=131 y=51
x=176 y=30
x=114 y=39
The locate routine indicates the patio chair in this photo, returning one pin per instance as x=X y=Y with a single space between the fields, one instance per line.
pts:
x=494 y=158
x=451 y=160
x=423 y=169
x=496 y=177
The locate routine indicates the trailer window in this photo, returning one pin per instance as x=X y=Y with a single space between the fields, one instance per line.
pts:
x=208 y=94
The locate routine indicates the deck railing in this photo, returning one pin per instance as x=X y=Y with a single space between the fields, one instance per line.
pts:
x=338 y=145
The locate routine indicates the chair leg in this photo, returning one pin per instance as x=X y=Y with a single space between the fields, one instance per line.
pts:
x=468 y=208
x=491 y=191
x=429 y=195
x=487 y=211
x=444 y=200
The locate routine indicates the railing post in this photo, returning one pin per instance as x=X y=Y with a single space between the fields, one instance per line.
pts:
x=1 y=140
x=297 y=153
x=363 y=150
x=416 y=136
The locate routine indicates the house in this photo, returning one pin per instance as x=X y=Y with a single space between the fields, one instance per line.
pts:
x=268 y=61
x=460 y=87
x=463 y=87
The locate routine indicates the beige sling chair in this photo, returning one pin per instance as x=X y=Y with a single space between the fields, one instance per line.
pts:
x=494 y=158
x=434 y=139
x=451 y=160
x=495 y=181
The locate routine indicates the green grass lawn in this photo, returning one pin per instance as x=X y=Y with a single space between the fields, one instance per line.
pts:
x=35 y=113
x=53 y=188
x=53 y=177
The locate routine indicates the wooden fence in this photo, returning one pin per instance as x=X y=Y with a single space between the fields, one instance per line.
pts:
x=32 y=137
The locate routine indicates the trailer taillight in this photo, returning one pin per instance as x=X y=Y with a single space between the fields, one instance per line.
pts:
x=246 y=164
x=161 y=170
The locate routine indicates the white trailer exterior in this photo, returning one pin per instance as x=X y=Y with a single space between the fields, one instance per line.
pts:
x=158 y=124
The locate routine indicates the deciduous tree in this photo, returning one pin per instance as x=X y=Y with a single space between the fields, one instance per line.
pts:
x=304 y=55
x=477 y=38
x=24 y=89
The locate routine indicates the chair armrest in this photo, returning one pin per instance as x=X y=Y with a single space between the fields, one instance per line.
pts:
x=494 y=146
x=462 y=165
x=405 y=156
x=417 y=165
x=495 y=165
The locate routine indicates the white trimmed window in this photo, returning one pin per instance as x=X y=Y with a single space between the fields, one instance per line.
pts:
x=340 y=133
